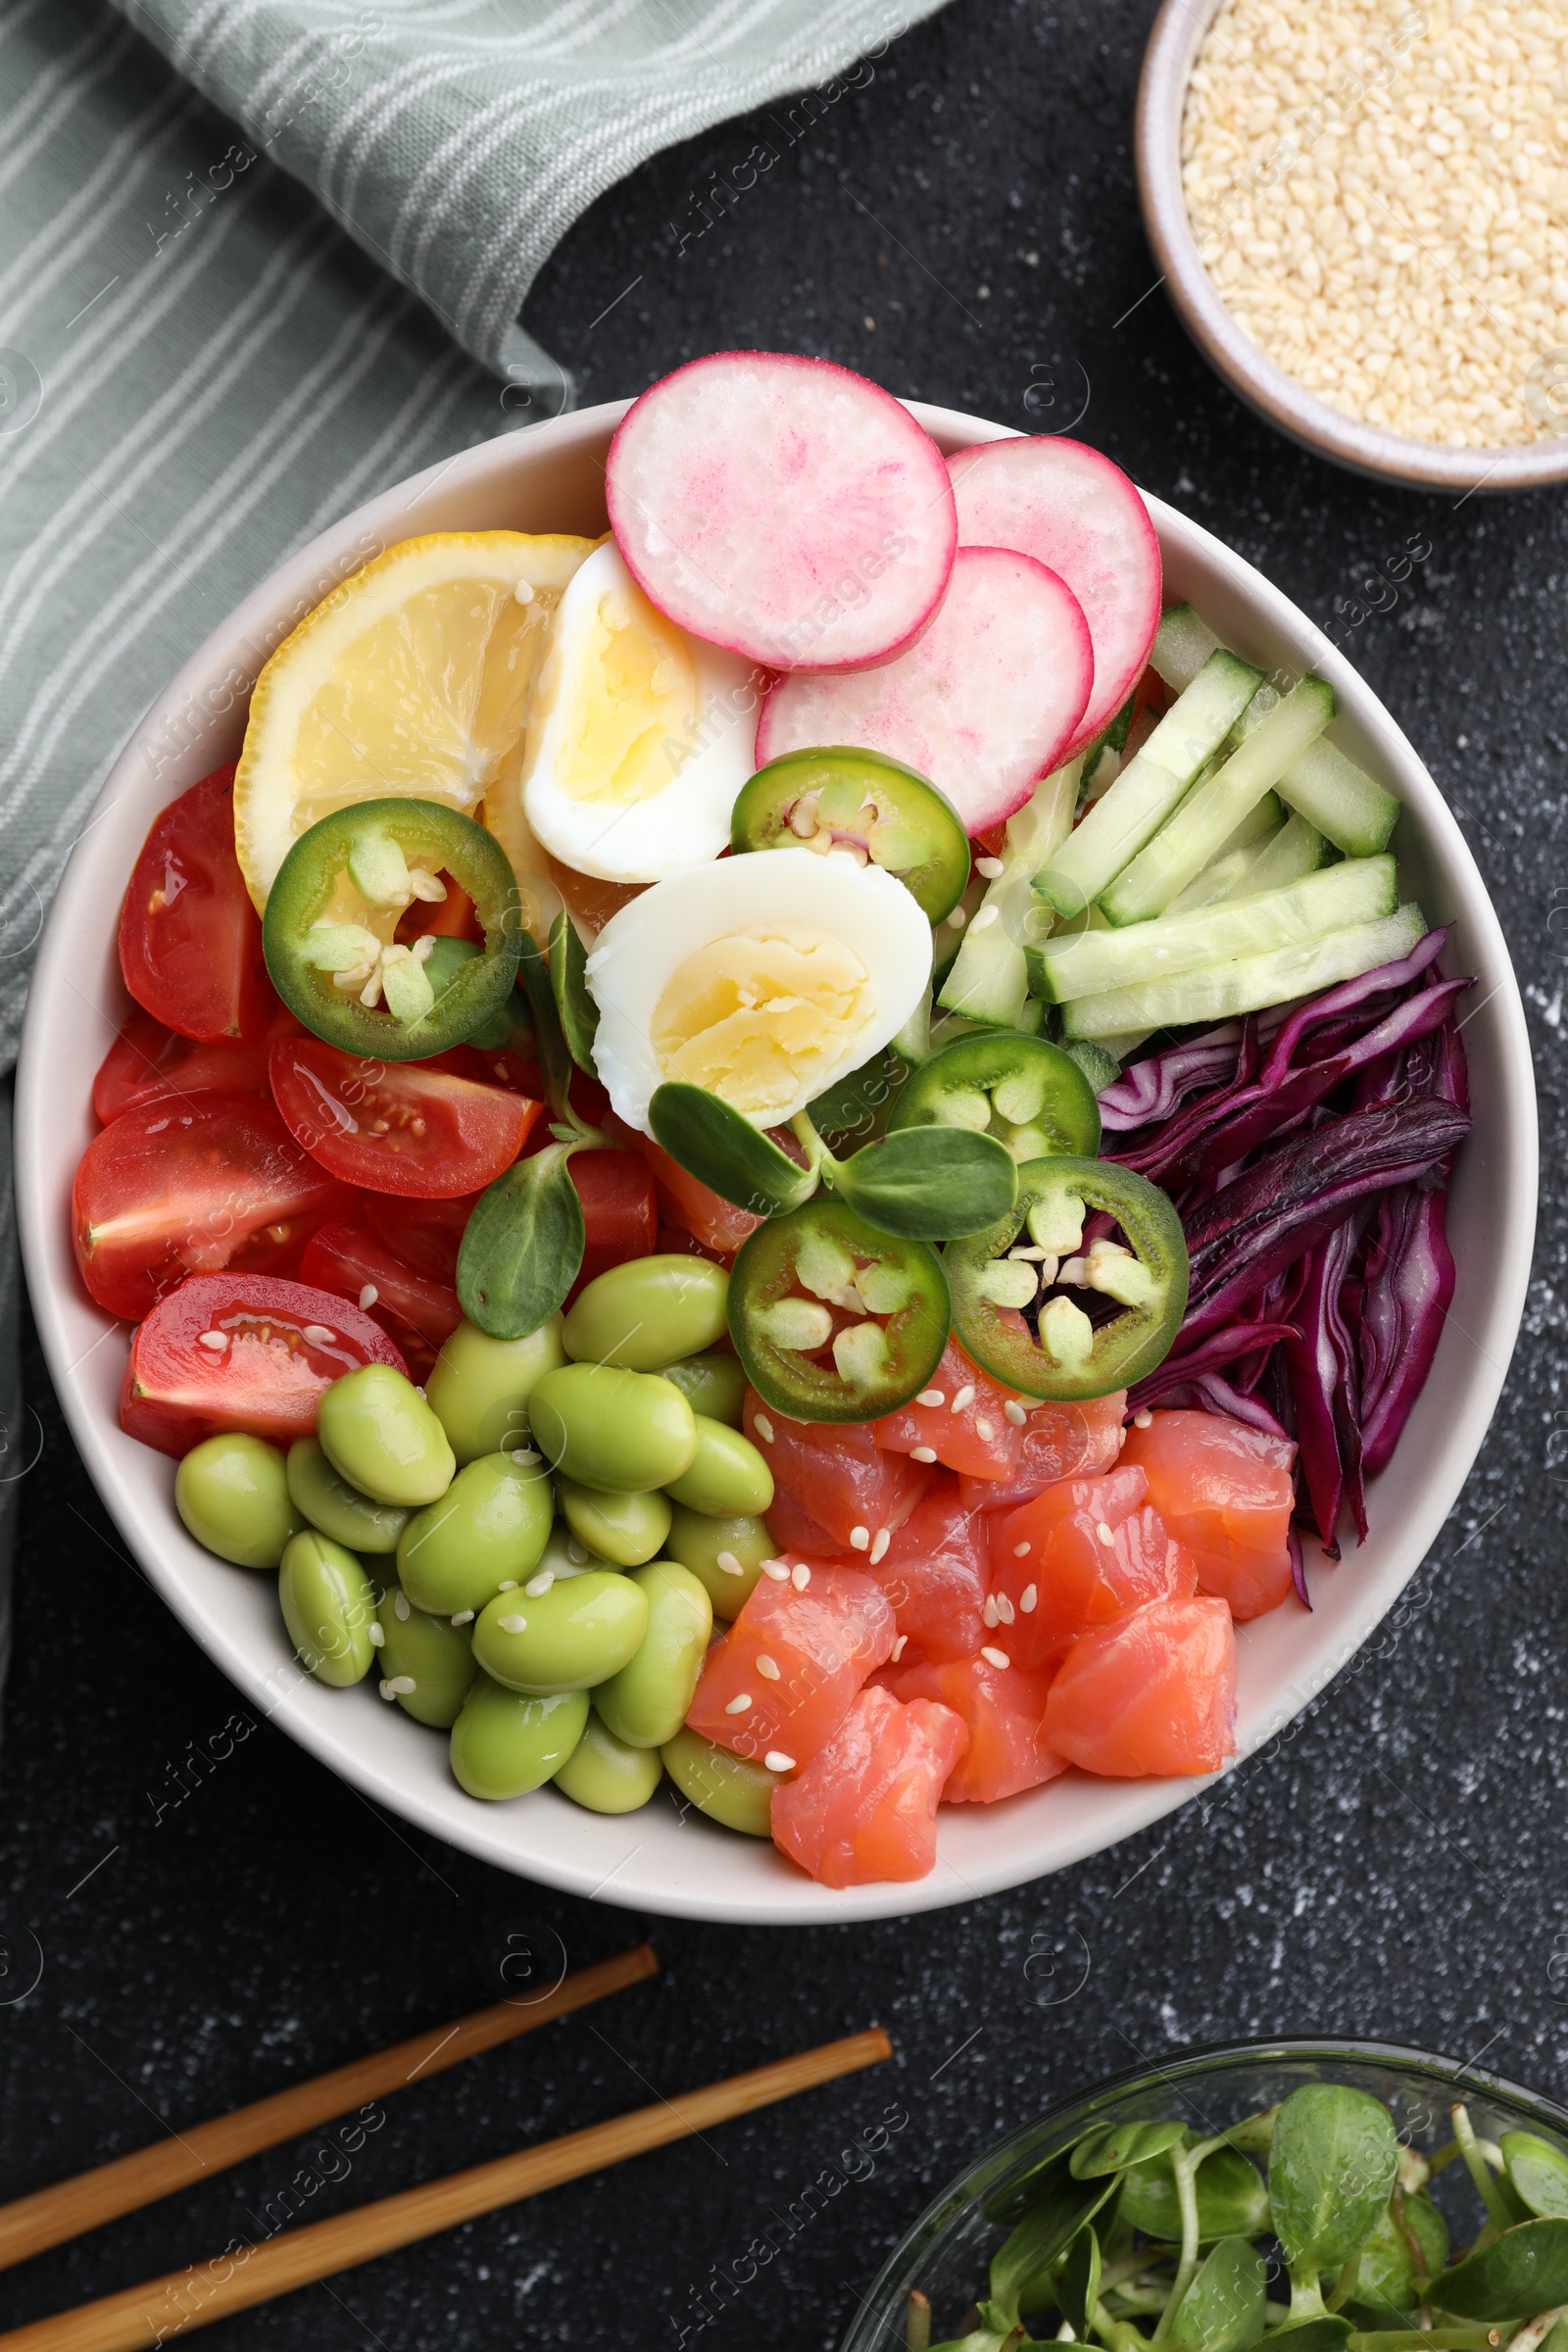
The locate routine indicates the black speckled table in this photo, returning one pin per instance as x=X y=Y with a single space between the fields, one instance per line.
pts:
x=963 y=228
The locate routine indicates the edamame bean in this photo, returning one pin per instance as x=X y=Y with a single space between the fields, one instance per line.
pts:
x=626 y=1529
x=580 y=1632
x=618 y=1431
x=648 y=1313
x=606 y=1775
x=503 y=1745
x=232 y=1494
x=646 y=1703
x=488 y=1530
x=427 y=1665
x=727 y=1477
x=727 y=1789
x=711 y=1384
x=724 y=1554
x=379 y=1434
x=328 y=1605
x=338 y=1509
x=480 y=1386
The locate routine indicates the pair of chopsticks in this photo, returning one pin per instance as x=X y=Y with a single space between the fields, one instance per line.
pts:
x=161 y=2308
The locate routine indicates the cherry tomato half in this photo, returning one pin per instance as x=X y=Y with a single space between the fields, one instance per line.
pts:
x=281 y=1345
x=193 y=1185
x=190 y=940
x=418 y=1310
x=147 y=1063
x=423 y=1235
x=397 y=1127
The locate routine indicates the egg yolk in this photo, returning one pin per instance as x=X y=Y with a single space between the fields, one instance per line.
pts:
x=632 y=703
x=763 y=1017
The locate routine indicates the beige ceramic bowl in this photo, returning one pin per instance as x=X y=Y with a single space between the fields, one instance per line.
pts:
x=1173 y=45
x=551 y=479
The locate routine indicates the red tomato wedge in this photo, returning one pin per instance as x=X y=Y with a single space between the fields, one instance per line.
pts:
x=148 y=1062
x=193 y=1186
x=282 y=1345
x=867 y=1807
x=798 y=1658
x=969 y=1430
x=1080 y=1555
x=935 y=1571
x=619 y=1214
x=1005 y=1709
x=190 y=940
x=1059 y=1441
x=1154 y=1692
x=687 y=1202
x=835 y=1489
x=1224 y=1489
x=415 y=1310
x=398 y=1127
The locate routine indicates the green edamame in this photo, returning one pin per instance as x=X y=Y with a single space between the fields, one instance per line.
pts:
x=379 y=1434
x=626 y=1529
x=328 y=1502
x=727 y=1477
x=486 y=1532
x=713 y=1384
x=503 y=1744
x=480 y=1386
x=727 y=1789
x=580 y=1632
x=427 y=1665
x=605 y=1775
x=725 y=1555
x=232 y=1494
x=618 y=1431
x=646 y=1703
x=648 y=1313
x=328 y=1605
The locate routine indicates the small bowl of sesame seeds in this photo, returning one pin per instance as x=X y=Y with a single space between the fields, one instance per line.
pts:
x=1360 y=212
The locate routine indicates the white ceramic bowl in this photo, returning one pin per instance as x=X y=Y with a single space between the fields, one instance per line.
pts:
x=550 y=478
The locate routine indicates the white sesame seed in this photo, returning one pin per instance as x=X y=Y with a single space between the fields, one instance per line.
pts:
x=739 y=1704
x=318 y=1334
x=1021 y=1551
x=1027 y=1600
x=1004 y=1609
x=922 y=1453
x=1102 y=1531
x=1015 y=1412
x=777 y=1571
x=989 y=1614
x=879 y=1545
x=996 y=1657
x=801 y=1575
x=387 y=1692
x=932 y=1397
x=861 y=1538
x=955 y=920
x=540 y=1584
x=513 y=1624
x=217 y=1341
x=984 y=1430
x=897 y=1647
x=462 y=1617
x=767 y=1667
x=985 y=918
x=403 y=1686
x=992 y=868
x=964 y=1400
x=400 y=1607
x=1143 y=1420
x=778 y=1761
x=507 y=1584
x=367 y=1298
x=763 y=1428
x=726 y=1561
x=377 y=1636
x=525 y=1456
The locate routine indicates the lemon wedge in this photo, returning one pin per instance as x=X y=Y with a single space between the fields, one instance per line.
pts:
x=412 y=677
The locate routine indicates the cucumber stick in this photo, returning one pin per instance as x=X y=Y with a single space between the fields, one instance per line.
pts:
x=1358 y=891
x=1211 y=812
x=989 y=980
x=1339 y=800
x=1150 y=785
x=1249 y=984
x=1183 y=643
x=1282 y=854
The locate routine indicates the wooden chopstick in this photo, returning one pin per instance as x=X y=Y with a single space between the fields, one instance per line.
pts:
x=161 y=2308
x=50 y=2215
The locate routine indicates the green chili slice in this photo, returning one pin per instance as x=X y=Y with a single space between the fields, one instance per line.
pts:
x=846 y=798
x=832 y=1320
x=1028 y=1093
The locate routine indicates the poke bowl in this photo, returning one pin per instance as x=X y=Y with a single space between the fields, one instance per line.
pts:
x=668 y=1858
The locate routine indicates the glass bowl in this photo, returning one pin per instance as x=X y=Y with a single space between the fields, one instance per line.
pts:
x=946 y=2253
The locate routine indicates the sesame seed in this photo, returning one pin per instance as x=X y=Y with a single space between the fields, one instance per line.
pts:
x=1143 y=1420
x=778 y=1761
x=922 y=1453
x=984 y=1430
x=1015 y=1412
x=387 y=1692
x=767 y=1667
x=1027 y=1600
x=377 y=1636
x=367 y=1298
x=1021 y=1551
x=932 y=1397
x=957 y=919
x=461 y=1617
x=992 y=868
x=879 y=1545
x=801 y=1575
x=317 y=1334
x=540 y=1584
x=403 y=1686
x=763 y=1428
x=400 y=1607
x=513 y=1624
x=897 y=1647
x=777 y=1570
x=524 y=1455
x=217 y=1341
x=996 y=1657
x=989 y=1614
x=1102 y=1531
x=1004 y=1609
x=964 y=1400
x=861 y=1538
x=739 y=1704
x=730 y=1565
x=507 y=1584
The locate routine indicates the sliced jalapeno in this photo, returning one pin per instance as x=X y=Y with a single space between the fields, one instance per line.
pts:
x=853 y=799
x=1021 y=1290
x=1031 y=1095
x=329 y=933
x=833 y=1320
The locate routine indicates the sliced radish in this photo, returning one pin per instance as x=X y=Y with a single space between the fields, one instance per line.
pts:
x=1071 y=509
x=983 y=703
x=784 y=508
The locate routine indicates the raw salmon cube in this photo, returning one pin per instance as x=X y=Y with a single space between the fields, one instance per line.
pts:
x=1059 y=1441
x=781 y=1679
x=934 y=1571
x=830 y=1479
x=1083 y=1553
x=1154 y=1692
x=1005 y=1709
x=969 y=1430
x=1224 y=1491
x=865 y=1807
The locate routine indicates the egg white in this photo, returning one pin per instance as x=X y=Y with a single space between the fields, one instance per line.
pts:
x=698 y=764
x=640 y=950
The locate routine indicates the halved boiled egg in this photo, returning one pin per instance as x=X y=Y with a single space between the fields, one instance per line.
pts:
x=639 y=736
x=764 y=978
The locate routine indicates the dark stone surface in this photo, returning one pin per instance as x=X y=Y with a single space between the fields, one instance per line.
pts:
x=1397 y=1869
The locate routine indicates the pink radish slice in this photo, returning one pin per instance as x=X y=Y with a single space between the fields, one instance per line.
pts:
x=1071 y=509
x=784 y=508
x=982 y=703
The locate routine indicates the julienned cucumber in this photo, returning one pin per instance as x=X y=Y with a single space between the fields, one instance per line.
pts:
x=1340 y=800
x=1360 y=891
x=1211 y=810
x=1150 y=786
x=1183 y=643
x=988 y=981
x=1226 y=877
x=1246 y=986
x=1296 y=849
